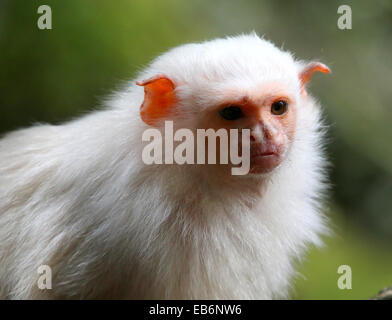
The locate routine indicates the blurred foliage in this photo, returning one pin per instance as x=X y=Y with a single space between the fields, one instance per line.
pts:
x=350 y=245
x=54 y=75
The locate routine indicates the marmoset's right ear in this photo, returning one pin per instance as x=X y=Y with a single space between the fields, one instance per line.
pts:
x=159 y=98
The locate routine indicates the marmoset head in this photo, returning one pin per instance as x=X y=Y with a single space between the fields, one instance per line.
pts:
x=240 y=83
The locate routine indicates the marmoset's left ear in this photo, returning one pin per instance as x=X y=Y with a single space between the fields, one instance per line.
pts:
x=159 y=98
x=308 y=70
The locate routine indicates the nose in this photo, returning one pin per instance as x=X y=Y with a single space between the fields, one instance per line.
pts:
x=262 y=132
x=267 y=131
x=256 y=134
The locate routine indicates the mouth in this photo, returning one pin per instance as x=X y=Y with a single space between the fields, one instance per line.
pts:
x=257 y=151
x=264 y=160
x=264 y=154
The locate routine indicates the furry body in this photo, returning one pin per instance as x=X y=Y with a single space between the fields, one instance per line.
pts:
x=78 y=197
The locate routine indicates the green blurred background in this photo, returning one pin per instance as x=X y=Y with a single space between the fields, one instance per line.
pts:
x=55 y=75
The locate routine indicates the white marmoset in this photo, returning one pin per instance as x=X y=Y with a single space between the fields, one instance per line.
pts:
x=79 y=198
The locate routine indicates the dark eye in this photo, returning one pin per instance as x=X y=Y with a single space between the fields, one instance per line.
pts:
x=231 y=113
x=279 y=107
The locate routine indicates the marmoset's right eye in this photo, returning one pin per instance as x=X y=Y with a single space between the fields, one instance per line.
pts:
x=231 y=113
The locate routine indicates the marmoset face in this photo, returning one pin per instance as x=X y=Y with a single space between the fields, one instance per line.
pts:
x=260 y=90
x=269 y=112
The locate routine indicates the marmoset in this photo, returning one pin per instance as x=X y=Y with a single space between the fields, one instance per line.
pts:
x=79 y=198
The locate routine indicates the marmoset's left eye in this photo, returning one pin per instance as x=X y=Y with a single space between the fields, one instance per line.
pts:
x=279 y=107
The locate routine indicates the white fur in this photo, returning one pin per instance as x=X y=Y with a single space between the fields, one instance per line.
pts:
x=78 y=198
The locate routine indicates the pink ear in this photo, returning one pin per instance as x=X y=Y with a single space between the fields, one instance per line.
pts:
x=307 y=72
x=159 y=98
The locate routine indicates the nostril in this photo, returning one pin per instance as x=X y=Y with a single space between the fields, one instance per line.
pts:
x=267 y=133
x=252 y=138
